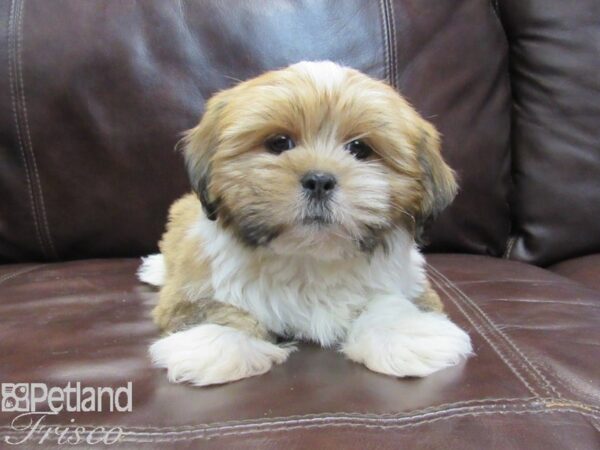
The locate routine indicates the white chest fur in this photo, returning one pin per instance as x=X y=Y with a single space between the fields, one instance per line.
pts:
x=305 y=297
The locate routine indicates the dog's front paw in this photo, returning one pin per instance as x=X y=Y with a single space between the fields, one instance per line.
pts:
x=214 y=354
x=417 y=345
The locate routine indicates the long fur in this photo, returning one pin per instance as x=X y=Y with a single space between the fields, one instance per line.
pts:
x=152 y=270
x=243 y=261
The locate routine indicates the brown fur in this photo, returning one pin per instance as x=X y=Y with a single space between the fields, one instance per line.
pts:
x=231 y=171
x=254 y=193
x=429 y=300
x=184 y=264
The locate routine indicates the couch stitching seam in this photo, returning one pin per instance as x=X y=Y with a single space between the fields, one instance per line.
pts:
x=385 y=32
x=393 y=50
x=207 y=434
x=29 y=146
x=495 y=8
x=11 y=275
x=509 y=247
x=570 y=387
x=345 y=419
x=487 y=325
x=532 y=369
x=12 y=61
x=479 y=328
x=466 y=404
x=515 y=280
x=353 y=425
x=539 y=406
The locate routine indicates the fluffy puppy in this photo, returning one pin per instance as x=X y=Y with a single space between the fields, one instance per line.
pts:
x=312 y=184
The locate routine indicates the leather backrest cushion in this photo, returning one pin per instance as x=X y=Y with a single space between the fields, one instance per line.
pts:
x=555 y=71
x=96 y=94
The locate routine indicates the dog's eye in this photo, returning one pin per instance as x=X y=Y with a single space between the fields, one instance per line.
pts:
x=279 y=144
x=359 y=149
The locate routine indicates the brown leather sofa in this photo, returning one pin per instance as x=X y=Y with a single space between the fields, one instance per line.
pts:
x=93 y=96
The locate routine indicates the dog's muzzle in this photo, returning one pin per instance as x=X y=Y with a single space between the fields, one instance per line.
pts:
x=318 y=188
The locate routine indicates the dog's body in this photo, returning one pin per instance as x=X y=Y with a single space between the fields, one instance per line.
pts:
x=311 y=239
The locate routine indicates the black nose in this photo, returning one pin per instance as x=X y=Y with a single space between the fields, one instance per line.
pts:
x=318 y=184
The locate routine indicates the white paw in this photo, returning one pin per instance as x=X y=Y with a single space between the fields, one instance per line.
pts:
x=213 y=354
x=416 y=345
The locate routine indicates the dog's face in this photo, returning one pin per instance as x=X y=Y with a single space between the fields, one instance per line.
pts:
x=316 y=159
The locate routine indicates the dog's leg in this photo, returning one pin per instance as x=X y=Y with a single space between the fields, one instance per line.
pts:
x=210 y=342
x=393 y=336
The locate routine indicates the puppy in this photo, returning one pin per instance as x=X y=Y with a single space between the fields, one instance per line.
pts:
x=311 y=186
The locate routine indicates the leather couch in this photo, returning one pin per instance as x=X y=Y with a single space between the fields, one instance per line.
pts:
x=93 y=97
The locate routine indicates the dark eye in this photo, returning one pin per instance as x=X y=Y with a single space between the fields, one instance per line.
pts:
x=359 y=149
x=279 y=144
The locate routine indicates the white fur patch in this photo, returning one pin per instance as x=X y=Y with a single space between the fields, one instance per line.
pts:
x=303 y=296
x=152 y=270
x=214 y=354
x=395 y=338
x=326 y=75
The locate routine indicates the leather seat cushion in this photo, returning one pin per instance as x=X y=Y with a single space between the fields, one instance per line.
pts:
x=534 y=378
x=585 y=270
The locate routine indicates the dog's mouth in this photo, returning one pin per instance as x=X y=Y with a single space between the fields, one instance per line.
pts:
x=317 y=213
x=318 y=220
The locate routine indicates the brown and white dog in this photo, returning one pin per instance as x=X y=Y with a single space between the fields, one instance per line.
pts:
x=311 y=187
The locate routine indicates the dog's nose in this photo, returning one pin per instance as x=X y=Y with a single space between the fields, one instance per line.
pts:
x=318 y=184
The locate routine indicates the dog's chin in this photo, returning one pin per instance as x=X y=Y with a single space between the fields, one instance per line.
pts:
x=317 y=222
x=319 y=233
x=317 y=239
x=324 y=238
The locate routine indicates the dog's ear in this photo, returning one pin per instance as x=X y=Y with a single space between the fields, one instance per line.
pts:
x=199 y=146
x=438 y=179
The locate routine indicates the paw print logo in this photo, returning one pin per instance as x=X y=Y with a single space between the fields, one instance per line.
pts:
x=15 y=397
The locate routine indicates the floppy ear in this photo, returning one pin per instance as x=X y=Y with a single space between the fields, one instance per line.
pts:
x=200 y=144
x=438 y=179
